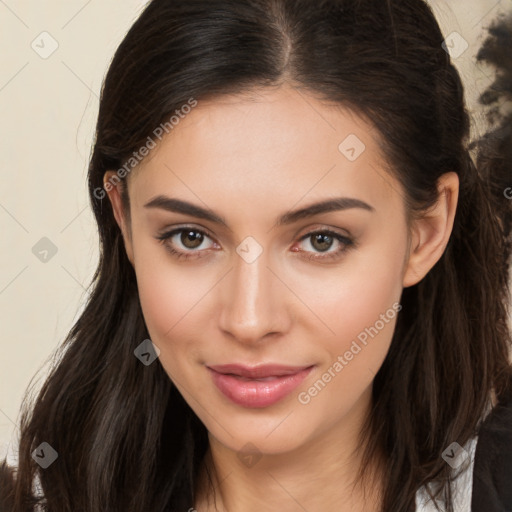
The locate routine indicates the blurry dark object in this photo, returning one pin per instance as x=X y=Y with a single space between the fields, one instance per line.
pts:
x=495 y=147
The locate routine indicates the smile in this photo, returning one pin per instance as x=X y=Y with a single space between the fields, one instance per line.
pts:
x=261 y=391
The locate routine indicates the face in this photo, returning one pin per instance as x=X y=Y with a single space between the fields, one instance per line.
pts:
x=263 y=286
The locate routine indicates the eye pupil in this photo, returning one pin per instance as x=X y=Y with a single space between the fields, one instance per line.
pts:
x=191 y=239
x=322 y=239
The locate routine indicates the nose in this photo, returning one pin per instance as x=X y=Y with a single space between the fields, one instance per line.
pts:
x=254 y=302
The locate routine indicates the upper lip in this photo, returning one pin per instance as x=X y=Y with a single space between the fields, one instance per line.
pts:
x=258 y=372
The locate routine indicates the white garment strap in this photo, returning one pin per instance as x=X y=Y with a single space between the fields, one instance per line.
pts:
x=462 y=485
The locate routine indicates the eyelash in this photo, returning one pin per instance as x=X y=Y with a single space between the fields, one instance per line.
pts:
x=347 y=242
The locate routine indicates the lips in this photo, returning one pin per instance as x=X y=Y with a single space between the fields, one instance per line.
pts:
x=267 y=371
x=257 y=387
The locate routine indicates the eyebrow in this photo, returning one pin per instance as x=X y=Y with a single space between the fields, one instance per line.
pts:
x=330 y=205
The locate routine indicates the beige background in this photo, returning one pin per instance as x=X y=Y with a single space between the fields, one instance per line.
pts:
x=48 y=109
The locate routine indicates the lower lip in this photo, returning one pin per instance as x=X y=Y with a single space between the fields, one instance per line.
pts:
x=254 y=393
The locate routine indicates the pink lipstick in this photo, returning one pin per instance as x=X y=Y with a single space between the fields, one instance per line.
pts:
x=257 y=386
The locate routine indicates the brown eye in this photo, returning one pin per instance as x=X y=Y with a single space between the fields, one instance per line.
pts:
x=191 y=239
x=186 y=242
x=322 y=242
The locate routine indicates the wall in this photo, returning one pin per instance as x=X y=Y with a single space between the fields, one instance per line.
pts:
x=48 y=107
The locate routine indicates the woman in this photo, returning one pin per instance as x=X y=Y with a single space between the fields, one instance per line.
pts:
x=302 y=285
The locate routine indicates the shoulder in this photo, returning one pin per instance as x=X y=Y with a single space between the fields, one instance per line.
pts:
x=483 y=480
x=492 y=474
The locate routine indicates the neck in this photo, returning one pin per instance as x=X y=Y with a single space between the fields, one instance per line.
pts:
x=321 y=474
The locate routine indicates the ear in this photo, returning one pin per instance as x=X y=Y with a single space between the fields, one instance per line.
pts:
x=114 y=194
x=431 y=232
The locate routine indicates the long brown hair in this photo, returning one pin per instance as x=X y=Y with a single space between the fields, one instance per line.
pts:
x=125 y=437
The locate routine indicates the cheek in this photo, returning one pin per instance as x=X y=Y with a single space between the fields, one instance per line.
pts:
x=170 y=311
x=170 y=294
x=353 y=296
x=360 y=305
x=363 y=317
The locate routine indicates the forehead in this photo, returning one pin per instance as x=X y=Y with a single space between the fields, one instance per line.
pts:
x=272 y=144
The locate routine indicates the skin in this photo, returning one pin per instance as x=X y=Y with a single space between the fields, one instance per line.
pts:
x=251 y=159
